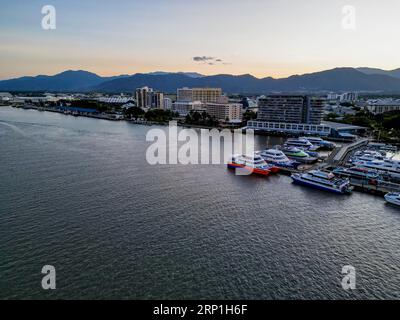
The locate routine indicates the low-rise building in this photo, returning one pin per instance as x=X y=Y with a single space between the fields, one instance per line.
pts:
x=184 y=107
x=331 y=129
x=383 y=105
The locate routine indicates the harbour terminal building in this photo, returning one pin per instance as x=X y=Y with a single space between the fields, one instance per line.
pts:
x=298 y=115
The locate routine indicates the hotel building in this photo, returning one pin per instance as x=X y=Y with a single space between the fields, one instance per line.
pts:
x=204 y=95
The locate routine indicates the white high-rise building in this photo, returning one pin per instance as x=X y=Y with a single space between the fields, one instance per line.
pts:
x=167 y=103
x=148 y=98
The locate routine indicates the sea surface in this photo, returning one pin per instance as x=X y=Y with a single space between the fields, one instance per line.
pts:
x=78 y=194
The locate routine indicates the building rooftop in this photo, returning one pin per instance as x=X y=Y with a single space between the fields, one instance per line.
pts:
x=341 y=126
x=384 y=102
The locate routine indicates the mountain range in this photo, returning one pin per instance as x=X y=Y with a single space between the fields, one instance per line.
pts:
x=338 y=79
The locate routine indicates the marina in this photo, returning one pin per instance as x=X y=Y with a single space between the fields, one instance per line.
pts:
x=363 y=170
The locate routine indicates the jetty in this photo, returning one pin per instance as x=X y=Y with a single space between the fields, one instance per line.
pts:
x=376 y=187
x=339 y=156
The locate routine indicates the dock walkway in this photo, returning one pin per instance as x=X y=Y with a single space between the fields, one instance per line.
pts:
x=381 y=187
x=340 y=155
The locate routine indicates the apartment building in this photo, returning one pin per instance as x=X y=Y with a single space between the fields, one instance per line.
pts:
x=291 y=109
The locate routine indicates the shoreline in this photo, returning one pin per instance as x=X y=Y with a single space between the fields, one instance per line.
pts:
x=107 y=117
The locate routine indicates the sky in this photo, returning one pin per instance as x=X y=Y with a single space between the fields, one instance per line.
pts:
x=275 y=38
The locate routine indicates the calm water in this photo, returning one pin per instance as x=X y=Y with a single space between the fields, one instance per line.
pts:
x=78 y=194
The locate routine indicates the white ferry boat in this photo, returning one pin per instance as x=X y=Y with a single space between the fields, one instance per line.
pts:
x=278 y=158
x=393 y=198
x=324 y=181
x=252 y=163
x=357 y=172
x=320 y=142
x=382 y=147
x=368 y=155
x=302 y=143
x=390 y=168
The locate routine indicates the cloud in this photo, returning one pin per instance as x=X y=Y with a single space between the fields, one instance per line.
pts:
x=209 y=60
x=203 y=59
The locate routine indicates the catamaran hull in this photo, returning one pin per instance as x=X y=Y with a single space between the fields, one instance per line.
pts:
x=303 y=160
x=294 y=165
x=392 y=201
x=252 y=170
x=317 y=186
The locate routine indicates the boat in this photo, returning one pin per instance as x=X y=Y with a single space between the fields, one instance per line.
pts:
x=382 y=147
x=393 y=198
x=251 y=163
x=320 y=142
x=298 y=155
x=357 y=172
x=313 y=154
x=303 y=143
x=279 y=159
x=368 y=155
x=389 y=168
x=322 y=180
x=273 y=168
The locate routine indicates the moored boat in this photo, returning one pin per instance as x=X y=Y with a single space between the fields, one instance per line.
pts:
x=322 y=180
x=357 y=172
x=303 y=143
x=367 y=155
x=320 y=142
x=250 y=163
x=298 y=155
x=393 y=198
x=382 y=147
x=389 y=168
x=278 y=159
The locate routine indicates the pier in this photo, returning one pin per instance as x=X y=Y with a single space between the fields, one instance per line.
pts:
x=379 y=187
x=339 y=156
